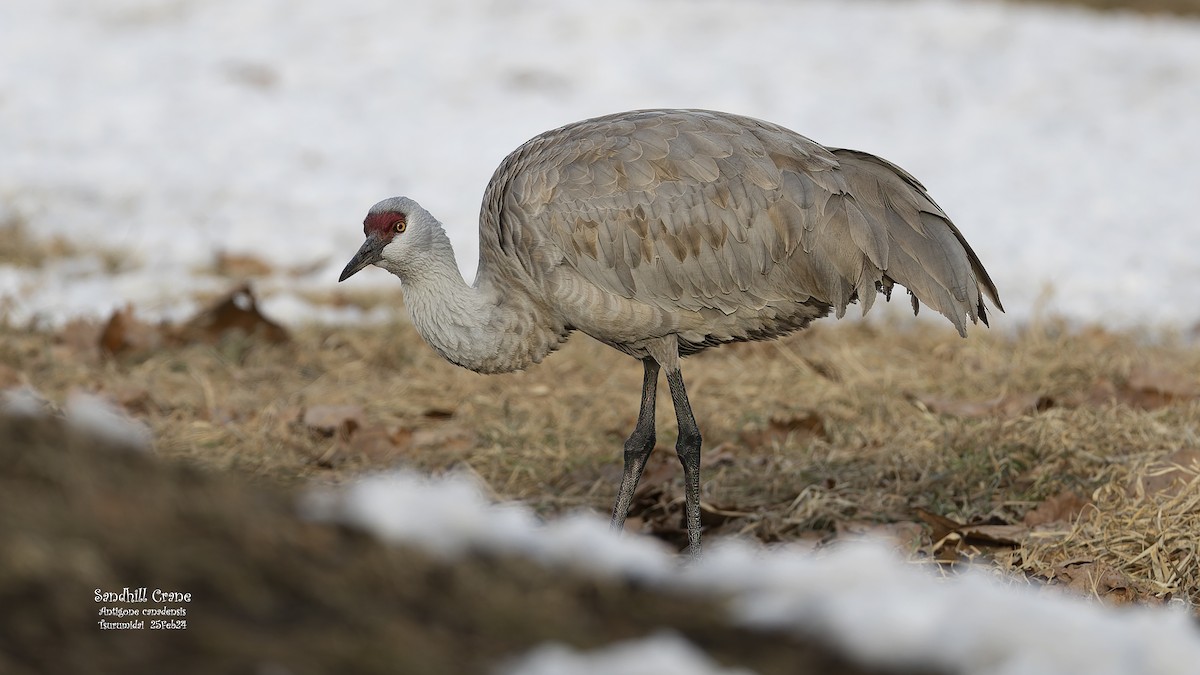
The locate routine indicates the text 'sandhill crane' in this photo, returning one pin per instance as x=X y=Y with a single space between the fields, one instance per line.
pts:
x=662 y=233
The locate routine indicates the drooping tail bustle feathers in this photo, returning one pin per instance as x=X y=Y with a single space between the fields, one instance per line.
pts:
x=925 y=252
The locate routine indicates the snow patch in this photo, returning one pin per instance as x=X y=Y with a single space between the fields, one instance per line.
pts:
x=1058 y=140
x=880 y=610
x=24 y=401
x=890 y=613
x=93 y=415
x=661 y=654
x=451 y=515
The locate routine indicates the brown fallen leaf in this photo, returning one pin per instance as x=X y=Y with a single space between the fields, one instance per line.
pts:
x=942 y=526
x=995 y=534
x=332 y=456
x=9 y=376
x=986 y=533
x=1168 y=383
x=1008 y=406
x=238 y=311
x=636 y=524
x=401 y=437
x=378 y=443
x=133 y=398
x=1099 y=580
x=444 y=438
x=124 y=333
x=657 y=475
x=1169 y=476
x=1102 y=391
x=329 y=420
x=724 y=454
x=1146 y=388
x=712 y=515
x=780 y=429
x=1063 y=507
x=949 y=549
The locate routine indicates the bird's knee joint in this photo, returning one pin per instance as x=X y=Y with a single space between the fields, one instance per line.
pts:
x=690 y=438
x=688 y=445
x=638 y=447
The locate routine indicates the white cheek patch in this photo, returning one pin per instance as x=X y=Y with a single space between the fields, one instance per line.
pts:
x=392 y=250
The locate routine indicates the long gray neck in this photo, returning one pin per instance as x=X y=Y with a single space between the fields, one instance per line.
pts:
x=490 y=327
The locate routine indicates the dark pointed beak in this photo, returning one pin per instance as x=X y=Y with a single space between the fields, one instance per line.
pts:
x=369 y=253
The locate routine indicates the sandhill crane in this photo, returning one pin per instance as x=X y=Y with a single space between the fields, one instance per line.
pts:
x=662 y=233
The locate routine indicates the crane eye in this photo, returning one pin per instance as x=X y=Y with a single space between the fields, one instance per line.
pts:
x=400 y=226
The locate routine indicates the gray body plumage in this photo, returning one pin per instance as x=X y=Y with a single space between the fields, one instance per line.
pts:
x=712 y=228
x=665 y=232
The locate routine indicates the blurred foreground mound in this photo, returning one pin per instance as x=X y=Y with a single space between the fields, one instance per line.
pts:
x=83 y=511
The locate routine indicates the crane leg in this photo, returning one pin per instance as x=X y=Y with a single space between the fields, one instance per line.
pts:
x=638 y=445
x=688 y=449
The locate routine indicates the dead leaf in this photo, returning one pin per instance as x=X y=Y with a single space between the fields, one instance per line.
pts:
x=444 y=438
x=780 y=429
x=1146 y=388
x=1102 y=392
x=1169 y=383
x=1098 y=580
x=1170 y=475
x=132 y=397
x=1063 y=507
x=986 y=533
x=712 y=515
x=635 y=524
x=658 y=474
x=236 y=312
x=377 y=442
x=332 y=457
x=948 y=549
x=401 y=437
x=126 y=333
x=344 y=425
x=9 y=376
x=722 y=455
x=328 y=420
x=995 y=534
x=1008 y=406
x=942 y=526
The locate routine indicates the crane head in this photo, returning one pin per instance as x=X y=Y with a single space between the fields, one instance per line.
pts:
x=385 y=223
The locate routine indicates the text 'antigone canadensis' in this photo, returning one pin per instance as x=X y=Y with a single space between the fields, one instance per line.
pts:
x=662 y=233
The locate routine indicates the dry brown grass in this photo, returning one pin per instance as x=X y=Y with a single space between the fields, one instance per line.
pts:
x=21 y=248
x=17 y=247
x=1177 y=7
x=844 y=428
